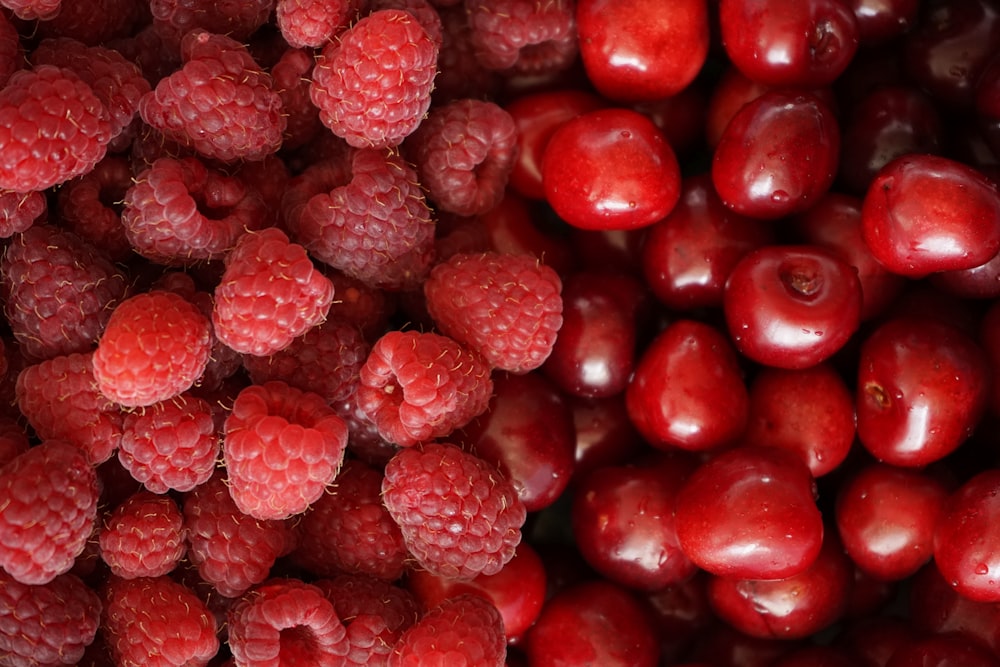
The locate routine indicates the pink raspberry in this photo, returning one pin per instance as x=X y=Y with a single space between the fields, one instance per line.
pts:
x=178 y=211
x=423 y=11
x=419 y=386
x=143 y=537
x=270 y=294
x=170 y=445
x=460 y=74
x=376 y=228
x=90 y=206
x=312 y=23
x=59 y=291
x=60 y=400
x=30 y=10
x=282 y=447
x=286 y=622
x=466 y=629
x=459 y=515
x=173 y=19
x=48 y=624
x=373 y=84
x=349 y=530
x=20 y=210
x=530 y=36
x=506 y=307
x=155 y=346
x=157 y=622
x=52 y=128
x=231 y=550
x=464 y=152
x=48 y=509
x=220 y=103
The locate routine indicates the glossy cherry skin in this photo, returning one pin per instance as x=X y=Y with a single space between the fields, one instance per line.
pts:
x=750 y=513
x=792 y=306
x=988 y=336
x=943 y=651
x=979 y=282
x=642 y=50
x=623 y=522
x=988 y=90
x=873 y=639
x=610 y=250
x=924 y=213
x=528 y=432
x=809 y=412
x=922 y=387
x=680 y=117
x=886 y=518
x=789 y=42
x=688 y=255
x=605 y=435
x=967 y=538
x=518 y=590
x=592 y=623
x=729 y=94
x=791 y=608
x=610 y=169
x=881 y=20
x=935 y=606
x=680 y=612
x=688 y=390
x=777 y=156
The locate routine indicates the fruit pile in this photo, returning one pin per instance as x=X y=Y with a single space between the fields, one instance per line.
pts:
x=500 y=332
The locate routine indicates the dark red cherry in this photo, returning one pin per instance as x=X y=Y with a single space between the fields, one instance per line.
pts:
x=729 y=94
x=605 y=435
x=725 y=646
x=935 y=606
x=873 y=639
x=979 y=282
x=680 y=612
x=967 y=538
x=680 y=117
x=922 y=388
x=988 y=90
x=816 y=656
x=943 y=651
x=881 y=20
x=777 y=156
x=989 y=339
x=750 y=513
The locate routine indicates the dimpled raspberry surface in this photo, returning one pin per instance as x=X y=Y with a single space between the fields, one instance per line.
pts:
x=143 y=537
x=464 y=629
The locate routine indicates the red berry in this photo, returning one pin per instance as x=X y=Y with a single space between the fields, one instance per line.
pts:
x=143 y=537
x=466 y=628
x=312 y=23
x=528 y=36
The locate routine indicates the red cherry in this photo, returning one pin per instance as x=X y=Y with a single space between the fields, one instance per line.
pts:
x=512 y=226
x=680 y=612
x=610 y=169
x=604 y=434
x=731 y=92
x=680 y=117
x=881 y=20
x=643 y=49
x=750 y=513
x=935 y=606
x=816 y=656
x=942 y=651
x=725 y=646
x=967 y=538
x=873 y=639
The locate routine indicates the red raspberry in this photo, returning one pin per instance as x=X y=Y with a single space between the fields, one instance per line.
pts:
x=30 y=10
x=60 y=400
x=143 y=537
x=373 y=84
x=59 y=291
x=376 y=228
x=19 y=211
x=52 y=128
x=93 y=21
x=282 y=447
x=312 y=23
x=368 y=308
x=420 y=386
x=531 y=36
x=375 y=612
x=459 y=515
x=48 y=624
x=286 y=622
x=466 y=629
x=10 y=49
x=422 y=10
x=269 y=295
x=173 y=19
x=349 y=530
x=220 y=103
x=155 y=346
x=506 y=307
x=178 y=211
x=157 y=622
x=48 y=508
x=231 y=550
x=170 y=445
x=89 y=206
x=319 y=176
x=464 y=152
x=291 y=80
x=460 y=74
x=363 y=439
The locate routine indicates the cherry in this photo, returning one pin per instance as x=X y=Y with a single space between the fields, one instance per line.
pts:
x=681 y=611
x=872 y=640
x=604 y=433
x=608 y=250
x=513 y=226
x=777 y=155
x=750 y=513
x=688 y=390
x=879 y=21
x=942 y=651
x=967 y=538
x=792 y=306
x=979 y=282
x=815 y=656
x=989 y=337
x=725 y=646
x=922 y=387
x=935 y=606
x=730 y=93
x=988 y=90
x=680 y=117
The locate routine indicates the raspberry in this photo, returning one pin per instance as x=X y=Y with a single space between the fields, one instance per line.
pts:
x=269 y=295
x=154 y=347
x=460 y=74
x=531 y=36
x=59 y=291
x=173 y=19
x=52 y=128
x=48 y=508
x=464 y=153
x=420 y=386
x=466 y=629
x=423 y=11
x=178 y=211
x=376 y=228
x=47 y=624
x=90 y=206
x=19 y=211
x=373 y=84
x=157 y=622
x=290 y=75
x=312 y=23
x=286 y=622
x=29 y=10
x=143 y=537
x=366 y=307
x=231 y=550
x=170 y=445
x=282 y=447
x=92 y=21
x=60 y=400
x=363 y=438
x=349 y=530
x=220 y=103
x=459 y=515
x=506 y=307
